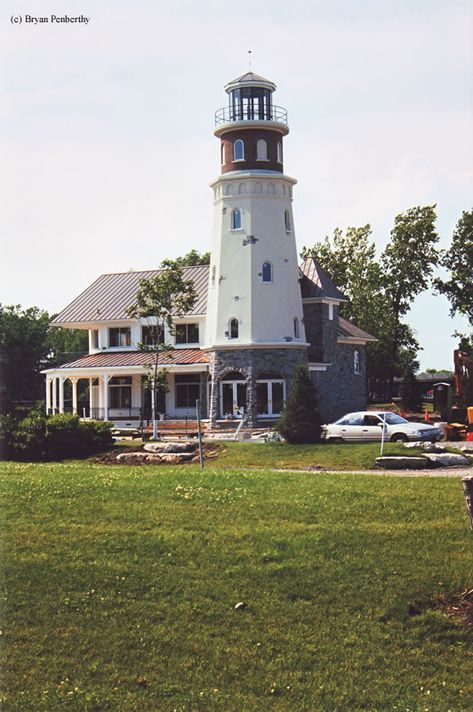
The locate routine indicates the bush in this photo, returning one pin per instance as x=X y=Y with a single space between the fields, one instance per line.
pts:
x=39 y=437
x=300 y=421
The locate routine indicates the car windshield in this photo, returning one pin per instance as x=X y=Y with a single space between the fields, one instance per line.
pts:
x=393 y=419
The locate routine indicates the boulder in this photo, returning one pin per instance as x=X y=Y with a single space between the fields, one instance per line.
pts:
x=447 y=459
x=132 y=458
x=169 y=458
x=403 y=462
x=170 y=447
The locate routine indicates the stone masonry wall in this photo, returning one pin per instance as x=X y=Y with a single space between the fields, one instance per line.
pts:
x=251 y=363
x=339 y=389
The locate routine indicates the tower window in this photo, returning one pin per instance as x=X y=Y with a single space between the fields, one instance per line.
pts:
x=236 y=219
x=234 y=329
x=261 y=150
x=287 y=221
x=238 y=150
x=267 y=273
x=296 y=328
x=279 y=149
x=222 y=153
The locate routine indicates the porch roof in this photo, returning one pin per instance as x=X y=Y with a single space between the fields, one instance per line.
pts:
x=176 y=357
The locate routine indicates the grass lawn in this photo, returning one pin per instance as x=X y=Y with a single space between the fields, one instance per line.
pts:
x=119 y=587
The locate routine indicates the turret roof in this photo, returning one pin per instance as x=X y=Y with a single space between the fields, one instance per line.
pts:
x=316 y=282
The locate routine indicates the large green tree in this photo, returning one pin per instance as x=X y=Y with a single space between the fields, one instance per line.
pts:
x=190 y=259
x=158 y=301
x=458 y=260
x=381 y=290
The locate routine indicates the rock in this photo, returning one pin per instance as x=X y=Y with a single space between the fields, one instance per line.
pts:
x=403 y=462
x=447 y=459
x=241 y=605
x=170 y=447
x=433 y=447
x=131 y=458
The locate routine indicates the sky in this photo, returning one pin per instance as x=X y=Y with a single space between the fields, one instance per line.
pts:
x=106 y=130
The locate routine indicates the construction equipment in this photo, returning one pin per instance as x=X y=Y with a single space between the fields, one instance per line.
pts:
x=460 y=426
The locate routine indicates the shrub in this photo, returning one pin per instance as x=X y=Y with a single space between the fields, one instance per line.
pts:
x=300 y=421
x=39 y=437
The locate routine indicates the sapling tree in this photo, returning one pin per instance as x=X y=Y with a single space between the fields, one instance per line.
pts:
x=158 y=301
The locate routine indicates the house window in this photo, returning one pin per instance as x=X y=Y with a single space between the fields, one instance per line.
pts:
x=269 y=397
x=234 y=329
x=261 y=150
x=287 y=221
x=151 y=335
x=356 y=363
x=187 y=333
x=236 y=219
x=94 y=338
x=187 y=389
x=119 y=337
x=120 y=392
x=279 y=151
x=238 y=150
x=267 y=273
x=296 y=328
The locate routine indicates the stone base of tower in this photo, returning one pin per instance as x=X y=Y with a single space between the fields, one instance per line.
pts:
x=253 y=366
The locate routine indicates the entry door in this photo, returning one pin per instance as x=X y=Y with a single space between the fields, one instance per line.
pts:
x=233 y=398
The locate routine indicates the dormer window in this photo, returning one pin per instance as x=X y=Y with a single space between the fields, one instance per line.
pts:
x=238 y=150
x=236 y=219
x=261 y=150
x=119 y=337
x=267 y=272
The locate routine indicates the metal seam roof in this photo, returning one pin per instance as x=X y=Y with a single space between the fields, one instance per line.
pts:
x=109 y=359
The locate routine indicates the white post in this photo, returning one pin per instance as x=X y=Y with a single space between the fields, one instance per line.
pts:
x=54 y=386
x=48 y=395
x=74 y=394
x=105 y=380
x=61 y=394
x=91 y=400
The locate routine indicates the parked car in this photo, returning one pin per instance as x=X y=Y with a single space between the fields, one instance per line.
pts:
x=368 y=426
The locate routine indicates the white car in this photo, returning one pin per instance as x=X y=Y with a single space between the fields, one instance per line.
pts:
x=368 y=426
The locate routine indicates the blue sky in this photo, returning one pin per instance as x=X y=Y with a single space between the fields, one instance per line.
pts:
x=107 y=138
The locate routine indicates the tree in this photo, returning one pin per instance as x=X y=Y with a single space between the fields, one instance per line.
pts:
x=191 y=259
x=407 y=265
x=458 y=259
x=66 y=344
x=24 y=351
x=300 y=421
x=410 y=393
x=160 y=298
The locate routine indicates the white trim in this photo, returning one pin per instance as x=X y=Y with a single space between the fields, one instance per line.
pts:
x=282 y=129
x=354 y=340
x=319 y=366
x=257 y=345
x=322 y=300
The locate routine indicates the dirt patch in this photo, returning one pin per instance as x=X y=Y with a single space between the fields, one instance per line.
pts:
x=211 y=452
x=463 y=607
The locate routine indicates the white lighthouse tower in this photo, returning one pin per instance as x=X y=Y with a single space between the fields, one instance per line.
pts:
x=254 y=331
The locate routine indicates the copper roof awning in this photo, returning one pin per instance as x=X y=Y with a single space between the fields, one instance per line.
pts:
x=176 y=357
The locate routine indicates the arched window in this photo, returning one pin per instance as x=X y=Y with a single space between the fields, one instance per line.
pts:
x=234 y=329
x=222 y=153
x=261 y=150
x=356 y=362
x=267 y=273
x=279 y=149
x=236 y=219
x=287 y=221
x=238 y=150
x=296 y=328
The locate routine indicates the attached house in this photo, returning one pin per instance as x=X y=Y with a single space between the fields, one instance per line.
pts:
x=258 y=313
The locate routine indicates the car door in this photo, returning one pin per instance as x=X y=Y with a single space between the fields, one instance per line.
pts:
x=372 y=428
x=350 y=427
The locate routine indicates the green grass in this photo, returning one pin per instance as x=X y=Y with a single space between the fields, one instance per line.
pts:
x=119 y=587
x=325 y=455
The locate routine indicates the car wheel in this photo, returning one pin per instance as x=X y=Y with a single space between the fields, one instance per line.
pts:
x=399 y=438
x=335 y=441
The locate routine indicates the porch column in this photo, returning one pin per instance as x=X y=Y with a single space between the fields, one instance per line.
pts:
x=48 y=394
x=74 y=394
x=91 y=399
x=54 y=386
x=61 y=394
x=105 y=380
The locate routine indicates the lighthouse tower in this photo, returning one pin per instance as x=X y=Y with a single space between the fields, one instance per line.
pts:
x=254 y=331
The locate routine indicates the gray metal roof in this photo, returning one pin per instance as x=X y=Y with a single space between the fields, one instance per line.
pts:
x=350 y=330
x=316 y=282
x=109 y=297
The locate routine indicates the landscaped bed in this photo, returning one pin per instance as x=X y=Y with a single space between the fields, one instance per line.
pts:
x=122 y=584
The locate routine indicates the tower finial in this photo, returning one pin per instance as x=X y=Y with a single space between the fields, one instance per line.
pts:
x=249 y=59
